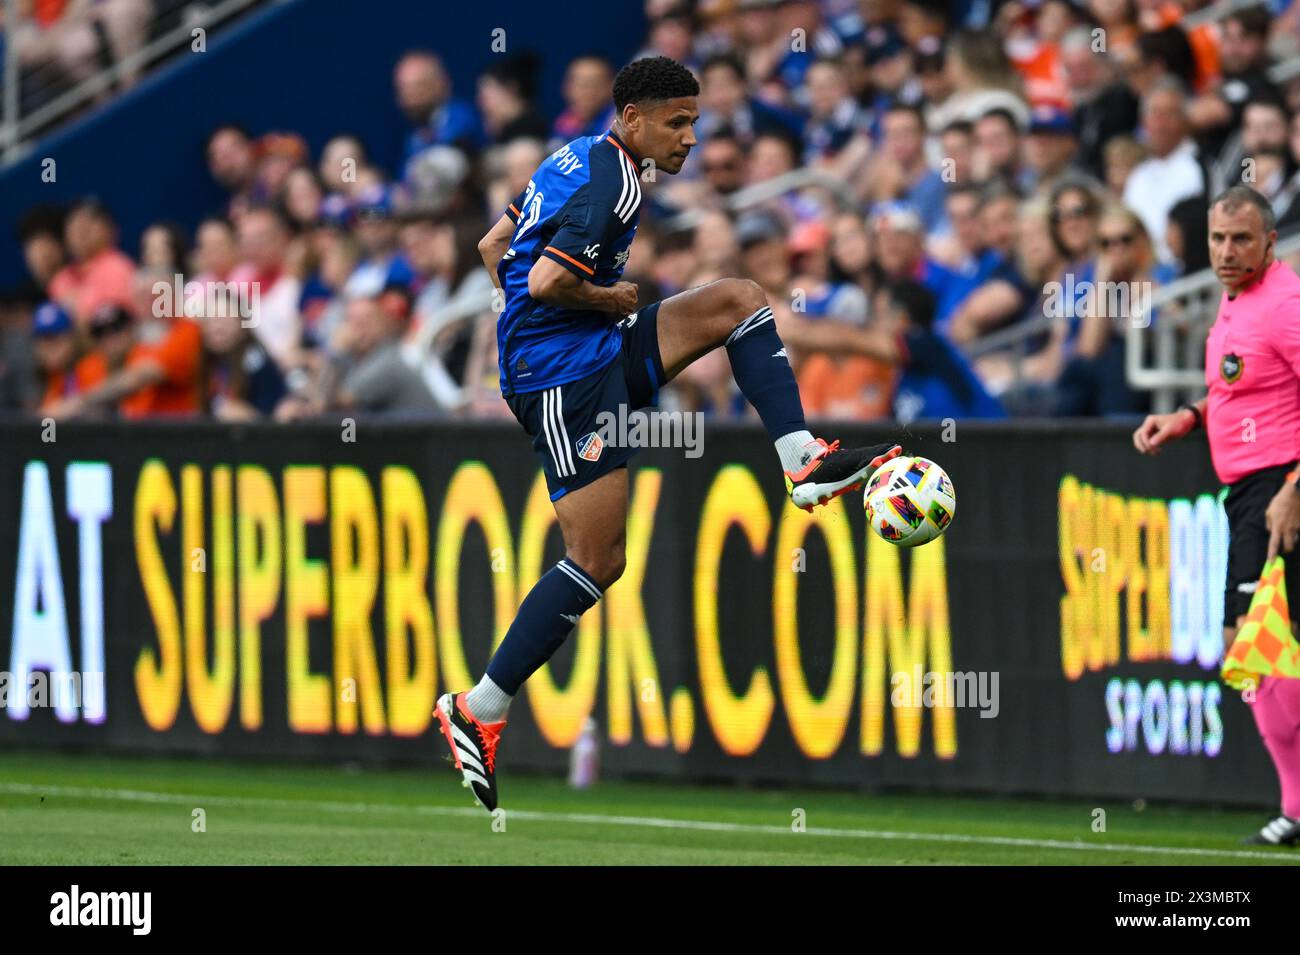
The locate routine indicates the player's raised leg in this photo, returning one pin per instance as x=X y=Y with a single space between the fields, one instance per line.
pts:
x=593 y=521
x=734 y=313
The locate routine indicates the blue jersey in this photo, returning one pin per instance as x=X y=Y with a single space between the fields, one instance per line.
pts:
x=580 y=210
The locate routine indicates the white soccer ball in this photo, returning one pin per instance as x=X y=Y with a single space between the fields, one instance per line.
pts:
x=910 y=501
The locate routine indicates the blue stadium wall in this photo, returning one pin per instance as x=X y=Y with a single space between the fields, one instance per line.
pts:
x=317 y=67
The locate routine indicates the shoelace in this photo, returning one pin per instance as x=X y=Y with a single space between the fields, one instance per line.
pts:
x=489 y=744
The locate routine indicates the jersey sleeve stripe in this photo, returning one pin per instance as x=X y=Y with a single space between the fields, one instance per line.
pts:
x=515 y=211
x=627 y=186
x=570 y=259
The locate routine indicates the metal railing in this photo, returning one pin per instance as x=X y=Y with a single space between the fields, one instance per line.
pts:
x=761 y=192
x=18 y=130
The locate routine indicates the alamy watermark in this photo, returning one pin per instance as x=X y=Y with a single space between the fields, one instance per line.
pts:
x=958 y=689
x=195 y=299
x=1128 y=302
x=58 y=689
x=645 y=429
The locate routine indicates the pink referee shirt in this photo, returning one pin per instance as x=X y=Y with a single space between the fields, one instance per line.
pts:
x=1252 y=369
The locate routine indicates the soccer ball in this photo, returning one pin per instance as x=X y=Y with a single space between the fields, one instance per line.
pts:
x=910 y=501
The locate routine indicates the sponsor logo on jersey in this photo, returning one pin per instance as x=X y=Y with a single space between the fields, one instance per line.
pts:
x=620 y=259
x=590 y=447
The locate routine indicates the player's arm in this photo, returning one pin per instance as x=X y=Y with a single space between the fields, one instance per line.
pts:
x=553 y=284
x=494 y=245
x=565 y=268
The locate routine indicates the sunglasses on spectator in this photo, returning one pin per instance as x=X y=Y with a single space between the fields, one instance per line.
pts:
x=1073 y=212
x=1125 y=239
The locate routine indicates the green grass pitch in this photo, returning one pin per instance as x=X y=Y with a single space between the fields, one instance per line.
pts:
x=94 y=810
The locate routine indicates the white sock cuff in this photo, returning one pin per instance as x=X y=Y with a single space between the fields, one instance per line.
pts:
x=793 y=450
x=487 y=701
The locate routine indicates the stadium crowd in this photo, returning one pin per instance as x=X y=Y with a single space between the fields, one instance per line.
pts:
x=953 y=171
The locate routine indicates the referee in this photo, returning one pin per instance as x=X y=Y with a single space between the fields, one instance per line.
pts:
x=1251 y=417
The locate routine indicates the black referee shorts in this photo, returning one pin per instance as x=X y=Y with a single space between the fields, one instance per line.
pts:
x=1245 y=504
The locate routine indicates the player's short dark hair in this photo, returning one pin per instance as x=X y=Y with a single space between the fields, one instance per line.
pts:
x=1236 y=196
x=914 y=299
x=653 y=79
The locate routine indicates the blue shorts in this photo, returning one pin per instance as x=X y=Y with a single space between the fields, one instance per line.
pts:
x=565 y=421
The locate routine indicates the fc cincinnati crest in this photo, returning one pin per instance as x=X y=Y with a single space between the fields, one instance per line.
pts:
x=590 y=446
x=1231 y=367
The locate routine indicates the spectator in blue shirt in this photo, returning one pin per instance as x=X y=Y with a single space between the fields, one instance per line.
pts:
x=835 y=136
x=900 y=171
x=383 y=264
x=725 y=102
x=937 y=381
x=424 y=95
x=972 y=261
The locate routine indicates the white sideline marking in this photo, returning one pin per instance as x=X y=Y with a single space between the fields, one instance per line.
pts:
x=650 y=822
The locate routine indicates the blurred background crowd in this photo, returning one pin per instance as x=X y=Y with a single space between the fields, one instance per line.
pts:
x=956 y=173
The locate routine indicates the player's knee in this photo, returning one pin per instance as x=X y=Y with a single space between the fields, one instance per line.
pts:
x=603 y=564
x=745 y=297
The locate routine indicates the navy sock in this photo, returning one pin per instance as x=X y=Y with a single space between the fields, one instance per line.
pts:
x=545 y=618
x=763 y=372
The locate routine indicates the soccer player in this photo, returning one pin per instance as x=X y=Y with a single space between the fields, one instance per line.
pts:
x=572 y=346
x=1252 y=371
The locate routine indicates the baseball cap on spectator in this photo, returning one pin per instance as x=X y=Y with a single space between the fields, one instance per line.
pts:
x=110 y=317
x=897 y=215
x=1053 y=120
x=755 y=227
x=50 y=319
x=882 y=42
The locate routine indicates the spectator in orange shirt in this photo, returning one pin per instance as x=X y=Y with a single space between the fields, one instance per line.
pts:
x=99 y=274
x=143 y=369
x=846 y=388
